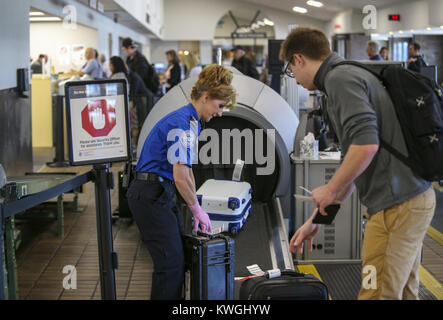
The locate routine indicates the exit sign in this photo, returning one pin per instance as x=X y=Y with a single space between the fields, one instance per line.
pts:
x=394 y=17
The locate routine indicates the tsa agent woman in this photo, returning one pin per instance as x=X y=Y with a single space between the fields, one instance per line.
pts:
x=164 y=167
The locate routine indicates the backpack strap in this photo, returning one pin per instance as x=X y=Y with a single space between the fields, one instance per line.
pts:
x=360 y=65
x=407 y=161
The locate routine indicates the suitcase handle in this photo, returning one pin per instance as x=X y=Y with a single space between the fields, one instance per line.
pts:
x=292 y=273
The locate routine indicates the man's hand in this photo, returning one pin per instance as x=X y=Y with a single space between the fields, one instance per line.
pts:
x=323 y=196
x=306 y=232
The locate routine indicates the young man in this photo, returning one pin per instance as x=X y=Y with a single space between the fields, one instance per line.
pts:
x=400 y=204
x=138 y=63
x=243 y=63
x=415 y=61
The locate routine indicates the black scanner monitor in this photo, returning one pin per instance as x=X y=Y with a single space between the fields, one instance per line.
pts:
x=97 y=121
x=430 y=72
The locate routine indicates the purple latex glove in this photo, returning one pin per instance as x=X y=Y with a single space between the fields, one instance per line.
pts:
x=201 y=218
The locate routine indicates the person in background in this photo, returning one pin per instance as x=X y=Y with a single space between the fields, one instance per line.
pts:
x=138 y=63
x=106 y=71
x=173 y=71
x=138 y=108
x=92 y=67
x=194 y=65
x=37 y=65
x=372 y=50
x=264 y=75
x=243 y=63
x=160 y=174
x=384 y=53
x=416 y=60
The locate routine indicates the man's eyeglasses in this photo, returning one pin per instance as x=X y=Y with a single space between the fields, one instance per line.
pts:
x=288 y=71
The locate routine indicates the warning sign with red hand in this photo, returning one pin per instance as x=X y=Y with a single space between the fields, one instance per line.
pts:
x=98 y=117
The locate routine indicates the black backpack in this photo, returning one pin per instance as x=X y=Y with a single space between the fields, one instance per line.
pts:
x=418 y=103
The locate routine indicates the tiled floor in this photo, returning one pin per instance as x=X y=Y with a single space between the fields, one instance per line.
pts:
x=433 y=258
x=43 y=256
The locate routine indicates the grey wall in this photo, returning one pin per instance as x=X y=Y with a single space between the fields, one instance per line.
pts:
x=15 y=112
x=356 y=46
x=14 y=35
x=432 y=51
x=15 y=133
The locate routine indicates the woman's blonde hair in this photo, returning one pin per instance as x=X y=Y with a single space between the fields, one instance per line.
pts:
x=216 y=80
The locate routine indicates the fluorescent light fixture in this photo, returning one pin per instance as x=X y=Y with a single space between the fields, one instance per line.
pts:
x=268 y=22
x=429 y=28
x=44 y=19
x=391 y=33
x=36 y=13
x=400 y=31
x=313 y=3
x=412 y=30
x=441 y=27
x=375 y=34
x=300 y=9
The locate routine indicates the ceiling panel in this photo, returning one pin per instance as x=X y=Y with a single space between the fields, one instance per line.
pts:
x=328 y=11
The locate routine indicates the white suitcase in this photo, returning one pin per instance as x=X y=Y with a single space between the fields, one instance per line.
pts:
x=228 y=204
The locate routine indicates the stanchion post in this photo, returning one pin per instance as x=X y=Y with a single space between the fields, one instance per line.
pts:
x=107 y=257
x=2 y=265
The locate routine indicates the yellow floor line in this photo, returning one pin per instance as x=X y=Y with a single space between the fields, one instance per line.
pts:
x=436 y=235
x=430 y=283
x=310 y=268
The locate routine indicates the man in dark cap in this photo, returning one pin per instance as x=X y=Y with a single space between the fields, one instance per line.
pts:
x=138 y=63
x=244 y=64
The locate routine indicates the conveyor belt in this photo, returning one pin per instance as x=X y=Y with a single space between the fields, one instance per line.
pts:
x=252 y=242
x=343 y=281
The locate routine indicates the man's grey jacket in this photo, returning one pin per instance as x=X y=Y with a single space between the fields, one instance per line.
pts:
x=360 y=110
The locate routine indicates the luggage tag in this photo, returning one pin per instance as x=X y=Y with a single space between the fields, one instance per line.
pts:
x=236 y=176
x=256 y=272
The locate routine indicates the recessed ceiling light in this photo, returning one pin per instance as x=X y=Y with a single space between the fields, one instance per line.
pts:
x=44 y=19
x=428 y=28
x=441 y=27
x=313 y=3
x=300 y=9
x=36 y=13
x=375 y=34
x=268 y=22
x=400 y=31
x=390 y=32
x=412 y=30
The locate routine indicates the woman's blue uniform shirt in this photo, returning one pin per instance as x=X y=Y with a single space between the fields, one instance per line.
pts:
x=172 y=140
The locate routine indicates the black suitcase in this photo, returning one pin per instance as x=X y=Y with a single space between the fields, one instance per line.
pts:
x=209 y=259
x=125 y=176
x=290 y=285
